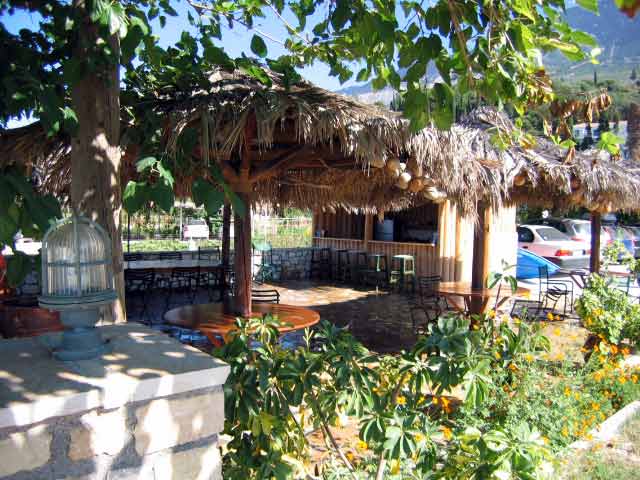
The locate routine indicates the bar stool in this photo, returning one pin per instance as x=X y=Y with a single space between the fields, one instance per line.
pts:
x=402 y=270
x=377 y=268
x=359 y=265
x=342 y=264
x=320 y=262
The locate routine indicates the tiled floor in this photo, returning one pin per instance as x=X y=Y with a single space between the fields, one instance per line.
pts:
x=380 y=319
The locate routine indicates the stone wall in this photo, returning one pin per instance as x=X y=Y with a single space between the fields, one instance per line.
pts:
x=166 y=438
x=151 y=409
x=296 y=262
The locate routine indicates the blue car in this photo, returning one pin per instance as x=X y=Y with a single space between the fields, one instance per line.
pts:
x=528 y=264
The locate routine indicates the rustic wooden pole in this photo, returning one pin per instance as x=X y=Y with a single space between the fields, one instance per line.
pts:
x=458 y=249
x=242 y=225
x=480 y=265
x=596 y=223
x=242 y=257
x=368 y=230
x=226 y=234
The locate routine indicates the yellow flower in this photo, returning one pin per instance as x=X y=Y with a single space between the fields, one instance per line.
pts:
x=576 y=395
x=497 y=355
x=528 y=357
x=567 y=392
x=595 y=406
x=435 y=400
x=394 y=466
x=560 y=356
x=401 y=400
x=597 y=376
x=445 y=405
x=517 y=321
x=349 y=456
x=362 y=445
x=614 y=349
x=491 y=313
x=513 y=367
x=557 y=318
x=418 y=437
x=446 y=431
x=545 y=440
x=565 y=431
x=625 y=351
x=557 y=332
x=634 y=378
x=550 y=316
x=622 y=380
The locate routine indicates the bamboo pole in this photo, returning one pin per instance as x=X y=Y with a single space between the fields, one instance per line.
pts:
x=594 y=261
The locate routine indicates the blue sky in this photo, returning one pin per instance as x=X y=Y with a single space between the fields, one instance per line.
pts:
x=235 y=41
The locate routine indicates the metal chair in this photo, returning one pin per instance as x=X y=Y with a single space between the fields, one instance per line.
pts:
x=213 y=281
x=377 y=270
x=139 y=284
x=320 y=262
x=265 y=296
x=403 y=272
x=427 y=299
x=268 y=270
x=554 y=289
x=183 y=281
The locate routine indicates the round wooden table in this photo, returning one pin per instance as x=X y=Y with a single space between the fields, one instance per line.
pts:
x=456 y=291
x=210 y=319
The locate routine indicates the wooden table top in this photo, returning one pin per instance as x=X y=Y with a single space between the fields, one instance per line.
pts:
x=464 y=289
x=210 y=318
x=171 y=264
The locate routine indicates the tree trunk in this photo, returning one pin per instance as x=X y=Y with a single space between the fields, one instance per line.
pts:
x=633 y=132
x=95 y=153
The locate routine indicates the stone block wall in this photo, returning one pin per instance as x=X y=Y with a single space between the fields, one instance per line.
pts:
x=167 y=438
x=296 y=262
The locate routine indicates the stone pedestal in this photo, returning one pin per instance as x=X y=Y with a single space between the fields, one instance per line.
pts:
x=152 y=409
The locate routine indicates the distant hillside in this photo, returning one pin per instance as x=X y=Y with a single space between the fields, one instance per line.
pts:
x=617 y=35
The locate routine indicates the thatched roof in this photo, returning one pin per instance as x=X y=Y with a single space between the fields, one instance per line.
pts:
x=312 y=148
x=327 y=148
x=543 y=175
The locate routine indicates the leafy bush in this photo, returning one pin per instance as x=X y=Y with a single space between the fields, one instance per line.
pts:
x=608 y=312
x=409 y=424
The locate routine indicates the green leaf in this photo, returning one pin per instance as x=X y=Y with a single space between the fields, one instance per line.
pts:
x=7 y=196
x=206 y=194
x=8 y=230
x=340 y=14
x=135 y=196
x=258 y=46
x=610 y=142
x=162 y=195
x=590 y=5
x=18 y=267
x=584 y=38
x=145 y=163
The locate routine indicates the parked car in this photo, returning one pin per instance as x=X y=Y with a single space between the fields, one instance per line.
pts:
x=552 y=244
x=195 y=228
x=576 y=229
x=528 y=265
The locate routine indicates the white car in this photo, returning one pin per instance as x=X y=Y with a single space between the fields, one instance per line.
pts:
x=195 y=228
x=552 y=244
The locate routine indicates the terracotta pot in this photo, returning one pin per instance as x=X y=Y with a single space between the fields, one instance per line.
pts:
x=22 y=317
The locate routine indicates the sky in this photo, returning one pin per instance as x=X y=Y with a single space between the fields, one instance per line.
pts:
x=235 y=41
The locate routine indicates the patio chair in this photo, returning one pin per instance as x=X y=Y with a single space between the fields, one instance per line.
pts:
x=183 y=281
x=268 y=269
x=138 y=285
x=213 y=281
x=553 y=289
x=265 y=296
x=320 y=263
x=427 y=300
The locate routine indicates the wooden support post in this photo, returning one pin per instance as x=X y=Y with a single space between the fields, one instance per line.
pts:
x=596 y=223
x=368 y=230
x=457 y=275
x=226 y=234
x=242 y=258
x=480 y=266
